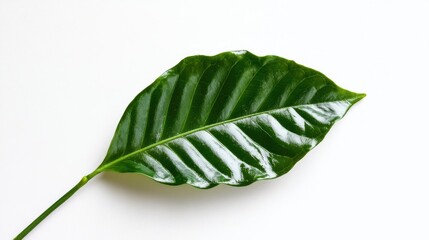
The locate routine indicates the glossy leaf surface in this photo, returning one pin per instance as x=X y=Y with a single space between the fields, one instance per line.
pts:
x=233 y=118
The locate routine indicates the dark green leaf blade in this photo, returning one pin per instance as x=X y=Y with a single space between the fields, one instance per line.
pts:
x=233 y=118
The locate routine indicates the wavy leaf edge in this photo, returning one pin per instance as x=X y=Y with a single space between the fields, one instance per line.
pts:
x=278 y=161
x=109 y=166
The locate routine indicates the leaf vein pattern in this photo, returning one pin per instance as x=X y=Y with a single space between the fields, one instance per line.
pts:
x=253 y=141
x=276 y=139
x=245 y=88
x=128 y=134
x=263 y=152
x=303 y=118
x=271 y=91
x=168 y=106
x=148 y=161
x=188 y=168
x=203 y=158
x=291 y=119
x=296 y=86
x=164 y=166
x=153 y=145
x=192 y=98
x=147 y=120
x=232 y=152
x=220 y=90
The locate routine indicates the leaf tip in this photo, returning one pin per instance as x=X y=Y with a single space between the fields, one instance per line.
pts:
x=357 y=97
x=361 y=96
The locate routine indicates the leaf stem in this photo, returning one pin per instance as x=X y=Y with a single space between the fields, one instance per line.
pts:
x=54 y=206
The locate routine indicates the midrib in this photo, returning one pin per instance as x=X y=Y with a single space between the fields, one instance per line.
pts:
x=106 y=166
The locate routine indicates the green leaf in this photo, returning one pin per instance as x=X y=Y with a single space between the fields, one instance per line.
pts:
x=233 y=118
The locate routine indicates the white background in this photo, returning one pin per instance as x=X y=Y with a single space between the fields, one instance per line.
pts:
x=68 y=69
